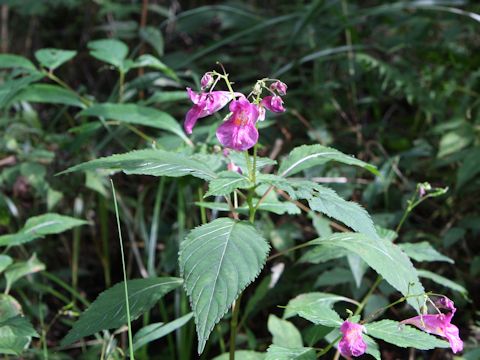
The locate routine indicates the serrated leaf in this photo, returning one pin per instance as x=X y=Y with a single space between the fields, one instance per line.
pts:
x=227 y=182
x=312 y=300
x=15 y=61
x=278 y=182
x=48 y=94
x=307 y=156
x=53 y=58
x=240 y=160
x=319 y=315
x=156 y=331
x=276 y=207
x=15 y=335
x=321 y=254
x=150 y=162
x=138 y=115
x=423 y=251
x=22 y=268
x=108 y=311
x=243 y=355
x=275 y=352
x=111 y=51
x=441 y=280
x=386 y=258
x=218 y=260
x=403 y=335
x=284 y=333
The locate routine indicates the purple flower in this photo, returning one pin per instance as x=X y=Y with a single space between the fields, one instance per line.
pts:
x=273 y=103
x=439 y=324
x=352 y=343
x=280 y=87
x=207 y=81
x=239 y=131
x=204 y=104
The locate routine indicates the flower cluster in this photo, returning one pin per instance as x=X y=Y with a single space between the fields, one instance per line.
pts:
x=239 y=130
x=352 y=343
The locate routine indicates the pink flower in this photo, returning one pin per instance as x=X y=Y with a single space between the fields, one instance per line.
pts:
x=439 y=324
x=239 y=131
x=207 y=81
x=232 y=167
x=352 y=343
x=280 y=87
x=204 y=104
x=273 y=103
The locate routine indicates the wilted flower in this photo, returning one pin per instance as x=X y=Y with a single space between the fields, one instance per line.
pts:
x=273 y=103
x=204 y=104
x=352 y=343
x=439 y=324
x=207 y=81
x=239 y=131
x=280 y=87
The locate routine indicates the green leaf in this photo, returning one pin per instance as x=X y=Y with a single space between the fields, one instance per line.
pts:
x=441 y=280
x=276 y=207
x=307 y=156
x=111 y=51
x=49 y=94
x=386 y=258
x=243 y=355
x=15 y=61
x=138 y=115
x=156 y=331
x=423 y=251
x=227 y=182
x=469 y=168
x=403 y=335
x=153 y=37
x=5 y=261
x=22 y=268
x=9 y=307
x=319 y=315
x=284 y=333
x=53 y=58
x=275 y=352
x=312 y=300
x=321 y=254
x=152 y=62
x=150 y=162
x=218 y=260
x=108 y=311
x=15 y=335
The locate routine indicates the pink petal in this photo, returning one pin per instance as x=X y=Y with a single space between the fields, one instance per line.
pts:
x=451 y=333
x=352 y=343
x=273 y=103
x=191 y=118
x=236 y=137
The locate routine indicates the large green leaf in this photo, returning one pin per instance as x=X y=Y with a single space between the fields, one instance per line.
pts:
x=243 y=355
x=138 y=115
x=441 y=280
x=284 y=333
x=227 y=182
x=312 y=300
x=218 y=260
x=386 y=258
x=156 y=331
x=39 y=226
x=15 y=61
x=423 y=251
x=53 y=58
x=15 y=335
x=403 y=335
x=275 y=352
x=22 y=268
x=150 y=162
x=276 y=207
x=111 y=51
x=50 y=94
x=108 y=311
x=307 y=156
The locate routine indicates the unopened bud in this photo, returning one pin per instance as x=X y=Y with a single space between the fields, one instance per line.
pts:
x=207 y=81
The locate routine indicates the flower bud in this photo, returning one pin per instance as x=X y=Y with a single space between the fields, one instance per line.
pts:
x=280 y=87
x=207 y=81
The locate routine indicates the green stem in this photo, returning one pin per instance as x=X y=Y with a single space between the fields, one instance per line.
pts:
x=121 y=86
x=328 y=347
x=367 y=296
x=60 y=82
x=233 y=326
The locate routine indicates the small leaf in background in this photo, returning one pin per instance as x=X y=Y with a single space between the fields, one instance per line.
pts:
x=15 y=61
x=386 y=258
x=108 y=311
x=111 y=51
x=284 y=333
x=9 y=307
x=243 y=355
x=423 y=251
x=53 y=58
x=49 y=94
x=275 y=352
x=218 y=260
x=153 y=37
x=469 y=168
x=15 y=335
x=22 y=268
x=403 y=335
x=152 y=62
x=156 y=331
x=138 y=115
x=5 y=261
x=307 y=156
x=227 y=182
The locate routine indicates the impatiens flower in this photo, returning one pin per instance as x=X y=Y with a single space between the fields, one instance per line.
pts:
x=273 y=103
x=239 y=131
x=207 y=81
x=204 y=104
x=352 y=343
x=439 y=324
x=280 y=87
